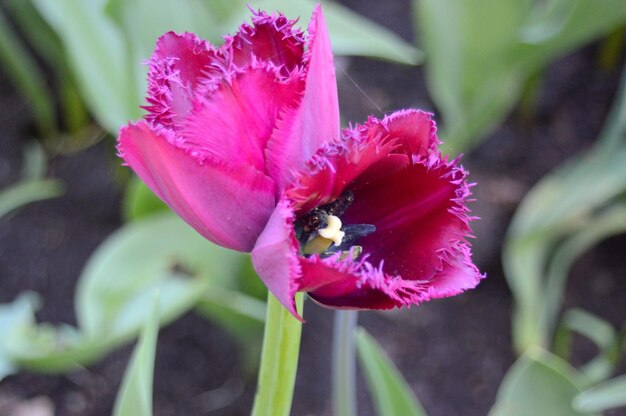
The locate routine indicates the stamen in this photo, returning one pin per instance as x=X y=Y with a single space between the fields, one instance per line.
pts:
x=333 y=230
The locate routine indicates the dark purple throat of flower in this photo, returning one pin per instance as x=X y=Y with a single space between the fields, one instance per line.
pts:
x=321 y=231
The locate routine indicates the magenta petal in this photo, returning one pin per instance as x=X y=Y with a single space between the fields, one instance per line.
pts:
x=275 y=257
x=458 y=274
x=341 y=286
x=235 y=121
x=414 y=130
x=304 y=129
x=418 y=212
x=345 y=284
x=177 y=67
x=228 y=205
x=348 y=285
x=270 y=39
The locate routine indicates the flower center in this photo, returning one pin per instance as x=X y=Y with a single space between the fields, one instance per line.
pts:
x=321 y=231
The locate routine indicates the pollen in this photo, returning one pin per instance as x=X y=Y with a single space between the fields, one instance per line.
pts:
x=333 y=230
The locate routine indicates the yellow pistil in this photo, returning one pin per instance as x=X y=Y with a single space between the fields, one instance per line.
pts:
x=330 y=234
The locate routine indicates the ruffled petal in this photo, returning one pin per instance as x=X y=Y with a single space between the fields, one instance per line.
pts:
x=414 y=130
x=229 y=205
x=275 y=257
x=364 y=153
x=177 y=68
x=305 y=128
x=345 y=284
x=235 y=121
x=458 y=275
x=271 y=38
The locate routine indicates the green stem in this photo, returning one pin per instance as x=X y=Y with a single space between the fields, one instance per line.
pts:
x=344 y=375
x=279 y=360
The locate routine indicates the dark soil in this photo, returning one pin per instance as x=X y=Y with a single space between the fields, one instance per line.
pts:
x=453 y=352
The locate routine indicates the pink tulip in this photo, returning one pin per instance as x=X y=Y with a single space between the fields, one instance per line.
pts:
x=243 y=142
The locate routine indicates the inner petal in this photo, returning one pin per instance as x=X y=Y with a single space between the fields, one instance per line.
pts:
x=271 y=39
x=413 y=212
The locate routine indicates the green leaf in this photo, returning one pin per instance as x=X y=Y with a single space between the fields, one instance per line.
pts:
x=608 y=395
x=476 y=72
x=15 y=318
x=539 y=383
x=392 y=394
x=24 y=192
x=135 y=396
x=99 y=57
x=159 y=252
x=27 y=77
x=601 y=333
x=139 y=201
x=35 y=162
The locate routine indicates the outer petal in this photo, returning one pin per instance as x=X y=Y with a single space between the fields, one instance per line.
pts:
x=228 y=205
x=275 y=257
x=177 y=67
x=304 y=129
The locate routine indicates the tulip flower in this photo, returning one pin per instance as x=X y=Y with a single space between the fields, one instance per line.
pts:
x=243 y=142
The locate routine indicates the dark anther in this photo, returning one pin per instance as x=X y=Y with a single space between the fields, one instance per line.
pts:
x=354 y=232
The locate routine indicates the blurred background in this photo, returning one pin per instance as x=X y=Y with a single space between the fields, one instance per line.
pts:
x=531 y=93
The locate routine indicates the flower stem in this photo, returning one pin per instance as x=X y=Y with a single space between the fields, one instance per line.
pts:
x=344 y=374
x=279 y=360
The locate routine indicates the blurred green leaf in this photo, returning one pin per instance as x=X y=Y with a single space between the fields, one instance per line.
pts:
x=564 y=214
x=24 y=192
x=476 y=71
x=539 y=383
x=159 y=252
x=15 y=318
x=32 y=187
x=600 y=332
x=594 y=328
x=605 y=396
x=27 y=77
x=35 y=162
x=99 y=57
x=39 y=35
x=392 y=394
x=135 y=395
x=139 y=201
